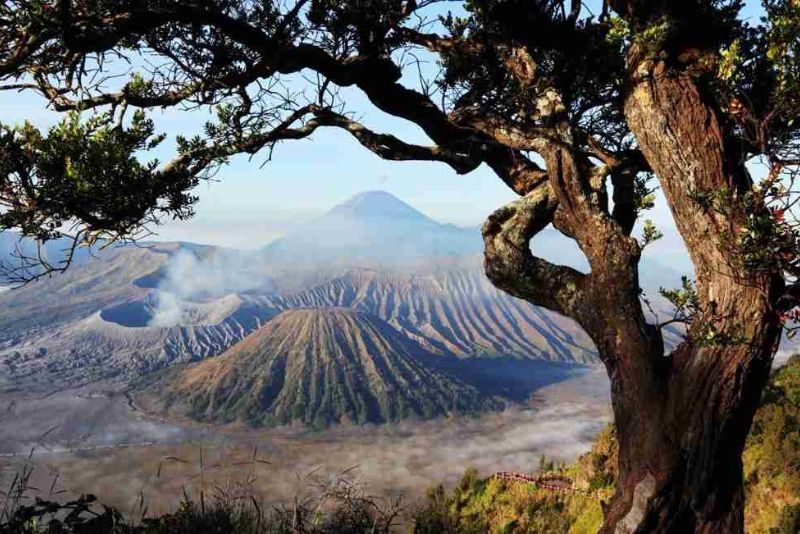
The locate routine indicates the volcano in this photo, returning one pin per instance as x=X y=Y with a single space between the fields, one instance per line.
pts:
x=318 y=367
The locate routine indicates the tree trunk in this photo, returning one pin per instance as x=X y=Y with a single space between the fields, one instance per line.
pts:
x=680 y=464
x=680 y=457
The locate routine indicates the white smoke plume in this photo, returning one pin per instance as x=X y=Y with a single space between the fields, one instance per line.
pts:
x=167 y=311
x=203 y=276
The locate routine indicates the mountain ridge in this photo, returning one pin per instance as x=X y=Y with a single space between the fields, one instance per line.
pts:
x=134 y=310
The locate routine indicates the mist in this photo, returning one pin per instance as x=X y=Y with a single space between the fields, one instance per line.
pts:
x=403 y=458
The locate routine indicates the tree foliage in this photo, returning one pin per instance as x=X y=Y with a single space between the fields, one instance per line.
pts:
x=507 y=67
x=85 y=170
x=513 y=76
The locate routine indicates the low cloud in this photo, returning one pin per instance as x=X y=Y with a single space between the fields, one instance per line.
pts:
x=407 y=457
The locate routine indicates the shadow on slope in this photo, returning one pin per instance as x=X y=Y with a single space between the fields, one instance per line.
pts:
x=510 y=378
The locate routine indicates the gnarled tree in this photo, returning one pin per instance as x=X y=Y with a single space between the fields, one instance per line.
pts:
x=563 y=104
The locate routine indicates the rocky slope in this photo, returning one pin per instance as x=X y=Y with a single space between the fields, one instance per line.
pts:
x=318 y=366
x=451 y=308
x=95 y=321
x=106 y=329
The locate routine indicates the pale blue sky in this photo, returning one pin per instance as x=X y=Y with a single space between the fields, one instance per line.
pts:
x=248 y=206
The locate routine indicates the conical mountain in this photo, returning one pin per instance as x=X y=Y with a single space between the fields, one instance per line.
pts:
x=318 y=367
x=378 y=205
x=374 y=225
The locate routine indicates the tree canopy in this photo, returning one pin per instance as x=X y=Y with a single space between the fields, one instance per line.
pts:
x=515 y=78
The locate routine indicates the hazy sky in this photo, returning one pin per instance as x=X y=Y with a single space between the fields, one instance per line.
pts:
x=249 y=205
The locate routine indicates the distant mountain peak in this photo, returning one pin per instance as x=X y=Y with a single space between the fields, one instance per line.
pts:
x=373 y=195
x=376 y=225
x=371 y=204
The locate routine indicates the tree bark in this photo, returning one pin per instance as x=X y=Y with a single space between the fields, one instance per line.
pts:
x=680 y=464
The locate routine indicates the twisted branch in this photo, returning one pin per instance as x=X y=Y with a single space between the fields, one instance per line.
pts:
x=511 y=266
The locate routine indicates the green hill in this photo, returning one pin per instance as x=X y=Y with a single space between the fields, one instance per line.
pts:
x=772 y=481
x=772 y=457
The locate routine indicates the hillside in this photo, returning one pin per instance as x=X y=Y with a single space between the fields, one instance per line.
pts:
x=103 y=323
x=772 y=456
x=133 y=310
x=771 y=465
x=317 y=366
x=96 y=321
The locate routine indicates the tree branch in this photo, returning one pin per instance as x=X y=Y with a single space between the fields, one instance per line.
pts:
x=437 y=43
x=511 y=266
x=378 y=77
x=390 y=147
x=530 y=138
x=384 y=145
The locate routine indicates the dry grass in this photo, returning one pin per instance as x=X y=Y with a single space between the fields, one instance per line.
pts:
x=220 y=496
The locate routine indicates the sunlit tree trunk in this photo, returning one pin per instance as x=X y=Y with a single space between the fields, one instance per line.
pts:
x=680 y=466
